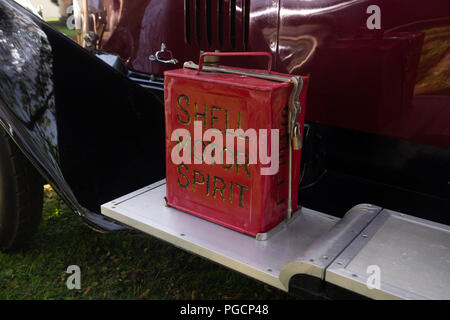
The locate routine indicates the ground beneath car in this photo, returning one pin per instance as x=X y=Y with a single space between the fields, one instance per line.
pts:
x=122 y=265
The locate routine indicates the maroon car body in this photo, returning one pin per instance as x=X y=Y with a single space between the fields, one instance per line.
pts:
x=379 y=94
x=393 y=81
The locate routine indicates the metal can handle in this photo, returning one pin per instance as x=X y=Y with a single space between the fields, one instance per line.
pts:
x=228 y=54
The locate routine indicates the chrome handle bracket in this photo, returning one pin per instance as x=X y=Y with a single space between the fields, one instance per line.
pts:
x=156 y=57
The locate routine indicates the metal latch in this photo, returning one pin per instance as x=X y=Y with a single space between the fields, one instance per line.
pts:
x=156 y=56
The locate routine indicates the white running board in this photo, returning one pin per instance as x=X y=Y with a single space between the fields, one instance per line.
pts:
x=413 y=255
x=146 y=211
x=410 y=255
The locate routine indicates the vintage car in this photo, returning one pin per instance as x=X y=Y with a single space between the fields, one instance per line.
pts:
x=374 y=185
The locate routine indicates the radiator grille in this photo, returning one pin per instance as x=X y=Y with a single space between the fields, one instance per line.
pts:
x=217 y=24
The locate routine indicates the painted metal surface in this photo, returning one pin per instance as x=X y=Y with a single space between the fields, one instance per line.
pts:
x=145 y=210
x=379 y=100
x=321 y=254
x=412 y=254
x=65 y=135
x=408 y=174
x=136 y=29
x=322 y=38
x=235 y=195
x=27 y=99
x=411 y=257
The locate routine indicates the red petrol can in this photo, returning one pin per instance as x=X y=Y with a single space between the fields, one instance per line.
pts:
x=236 y=195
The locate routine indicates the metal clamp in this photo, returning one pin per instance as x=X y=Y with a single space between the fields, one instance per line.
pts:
x=156 y=58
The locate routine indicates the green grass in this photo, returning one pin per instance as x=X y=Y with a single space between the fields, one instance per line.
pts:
x=61 y=27
x=121 y=265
